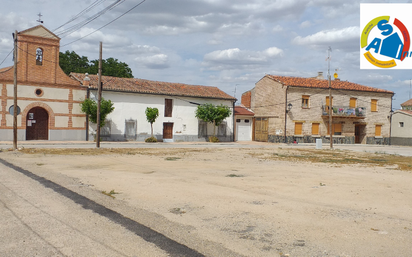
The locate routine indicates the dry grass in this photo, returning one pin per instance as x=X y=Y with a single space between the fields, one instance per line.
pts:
x=340 y=157
x=112 y=151
x=335 y=157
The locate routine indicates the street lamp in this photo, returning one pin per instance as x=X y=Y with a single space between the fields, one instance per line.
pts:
x=289 y=107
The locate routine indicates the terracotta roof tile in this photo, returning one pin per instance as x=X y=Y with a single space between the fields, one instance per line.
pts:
x=323 y=83
x=407 y=103
x=153 y=87
x=405 y=111
x=240 y=110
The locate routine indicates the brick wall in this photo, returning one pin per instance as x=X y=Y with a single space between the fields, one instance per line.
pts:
x=246 y=99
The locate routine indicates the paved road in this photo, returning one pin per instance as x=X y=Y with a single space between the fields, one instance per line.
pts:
x=40 y=217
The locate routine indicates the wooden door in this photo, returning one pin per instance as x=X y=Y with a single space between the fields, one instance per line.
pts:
x=261 y=129
x=37 y=124
x=167 y=130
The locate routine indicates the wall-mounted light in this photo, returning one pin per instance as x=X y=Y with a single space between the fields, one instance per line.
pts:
x=289 y=107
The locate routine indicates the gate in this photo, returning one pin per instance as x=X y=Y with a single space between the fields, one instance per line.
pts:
x=261 y=129
x=37 y=124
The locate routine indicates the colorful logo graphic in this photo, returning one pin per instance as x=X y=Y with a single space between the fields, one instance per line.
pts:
x=388 y=47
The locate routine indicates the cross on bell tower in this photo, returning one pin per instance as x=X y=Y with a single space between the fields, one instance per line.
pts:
x=39 y=20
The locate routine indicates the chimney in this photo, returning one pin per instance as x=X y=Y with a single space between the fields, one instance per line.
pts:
x=86 y=80
x=320 y=75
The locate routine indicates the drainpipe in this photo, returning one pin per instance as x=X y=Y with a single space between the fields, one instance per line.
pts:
x=86 y=82
x=234 y=122
x=390 y=123
x=87 y=116
x=286 y=110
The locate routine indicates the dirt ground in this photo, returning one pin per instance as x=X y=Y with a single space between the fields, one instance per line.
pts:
x=256 y=202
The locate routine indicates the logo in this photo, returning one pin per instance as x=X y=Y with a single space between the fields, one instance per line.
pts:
x=385 y=41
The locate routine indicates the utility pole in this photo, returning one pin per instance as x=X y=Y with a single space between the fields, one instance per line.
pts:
x=330 y=101
x=15 y=107
x=99 y=96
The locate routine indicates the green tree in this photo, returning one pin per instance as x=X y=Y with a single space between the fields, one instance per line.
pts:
x=89 y=107
x=214 y=114
x=111 y=67
x=151 y=116
x=72 y=62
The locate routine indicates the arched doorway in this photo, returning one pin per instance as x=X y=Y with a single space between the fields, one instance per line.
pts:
x=37 y=124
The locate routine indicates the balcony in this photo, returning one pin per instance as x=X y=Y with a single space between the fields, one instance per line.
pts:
x=345 y=112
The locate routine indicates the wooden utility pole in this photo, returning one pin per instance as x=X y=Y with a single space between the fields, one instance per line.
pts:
x=330 y=101
x=99 y=96
x=15 y=107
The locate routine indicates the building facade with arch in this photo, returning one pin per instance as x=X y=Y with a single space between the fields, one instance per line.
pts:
x=48 y=100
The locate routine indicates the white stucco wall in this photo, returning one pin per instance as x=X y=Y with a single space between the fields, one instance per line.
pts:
x=132 y=106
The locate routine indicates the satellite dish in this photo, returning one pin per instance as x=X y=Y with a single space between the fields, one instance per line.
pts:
x=335 y=75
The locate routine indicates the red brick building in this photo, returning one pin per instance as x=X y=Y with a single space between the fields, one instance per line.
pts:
x=48 y=99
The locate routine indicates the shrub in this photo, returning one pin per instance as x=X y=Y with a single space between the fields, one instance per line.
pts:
x=151 y=140
x=213 y=139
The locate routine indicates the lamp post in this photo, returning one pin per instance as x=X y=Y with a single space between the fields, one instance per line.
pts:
x=289 y=107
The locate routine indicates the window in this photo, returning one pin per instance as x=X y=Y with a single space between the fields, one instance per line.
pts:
x=401 y=124
x=237 y=120
x=131 y=129
x=298 y=128
x=246 y=121
x=221 y=129
x=168 y=107
x=305 y=101
x=374 y=105
x=336 y=129
x=352 y=103
x=378 y=130
x=315 y=128
x=39 y=56
x=202 y=129
x=327 y=103
x=105 y=131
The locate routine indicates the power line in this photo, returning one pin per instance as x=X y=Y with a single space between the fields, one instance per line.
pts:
x=7 y=56
x=86 y=10
x=107 y=23
x=81 y=24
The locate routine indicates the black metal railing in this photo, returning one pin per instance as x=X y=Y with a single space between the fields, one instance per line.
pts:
x=344 y=111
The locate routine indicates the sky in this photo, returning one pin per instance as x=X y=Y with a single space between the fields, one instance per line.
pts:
x=227 y=44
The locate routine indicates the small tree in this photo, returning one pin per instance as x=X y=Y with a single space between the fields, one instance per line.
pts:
x=151 y=116
x=213 y=114
x=89 y=107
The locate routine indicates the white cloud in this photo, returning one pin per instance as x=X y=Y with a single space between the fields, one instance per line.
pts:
x=235 y=58
x=277 y=28
x=157 y=61
x=305 y=24
x=327 y=37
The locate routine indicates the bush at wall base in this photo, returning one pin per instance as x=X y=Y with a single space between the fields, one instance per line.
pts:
x=151 y=140
x=213 y=139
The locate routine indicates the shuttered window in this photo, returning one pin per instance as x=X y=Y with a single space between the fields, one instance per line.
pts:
x=378 y=130
x=168 y=107
x=352 y=103
x=374 y=105
x=298 y=128
x=315 y=128
x=327 y=101
x=336 y=129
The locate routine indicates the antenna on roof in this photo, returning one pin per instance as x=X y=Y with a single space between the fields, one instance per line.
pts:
x=39 y=20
